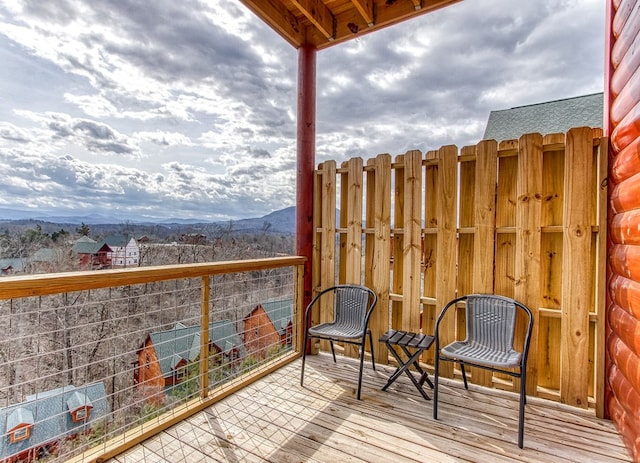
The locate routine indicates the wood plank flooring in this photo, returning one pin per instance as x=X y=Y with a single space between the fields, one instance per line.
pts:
x=276 y=420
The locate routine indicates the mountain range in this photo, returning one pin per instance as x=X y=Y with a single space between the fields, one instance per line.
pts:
x=282 y=221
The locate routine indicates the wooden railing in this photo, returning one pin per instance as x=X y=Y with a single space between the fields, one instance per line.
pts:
x=93 y=327
x=525 y=219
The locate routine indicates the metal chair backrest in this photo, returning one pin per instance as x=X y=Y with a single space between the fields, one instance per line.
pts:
x=491 y=321
x=353 y=306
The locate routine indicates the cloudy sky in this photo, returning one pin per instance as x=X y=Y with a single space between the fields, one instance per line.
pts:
x=137 y=109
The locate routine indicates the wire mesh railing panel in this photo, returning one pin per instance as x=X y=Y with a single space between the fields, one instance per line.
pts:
x=79 y=369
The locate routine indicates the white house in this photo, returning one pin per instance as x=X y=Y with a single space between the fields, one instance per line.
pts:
x=124 y=250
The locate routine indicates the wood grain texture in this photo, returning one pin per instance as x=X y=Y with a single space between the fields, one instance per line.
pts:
x=528 y=239
x=412 y=249
x=446 y=243
x=277 y=420
x=505 y=235
x=378 y=245
x=484 y=221
x=577 y=280
x=53 y=283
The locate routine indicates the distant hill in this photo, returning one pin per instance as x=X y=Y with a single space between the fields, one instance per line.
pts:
x=11 y=215
x=278 y=222
x=282 y=221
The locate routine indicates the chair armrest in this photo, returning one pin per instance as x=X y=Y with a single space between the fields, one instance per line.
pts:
x=443 y=312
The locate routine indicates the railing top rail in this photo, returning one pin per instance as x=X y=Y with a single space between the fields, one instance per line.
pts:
x=54 y=283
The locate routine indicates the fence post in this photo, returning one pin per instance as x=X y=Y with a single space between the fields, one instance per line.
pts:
x=204 y=337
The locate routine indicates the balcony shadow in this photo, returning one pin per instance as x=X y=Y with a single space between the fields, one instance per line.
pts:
x=277 y=420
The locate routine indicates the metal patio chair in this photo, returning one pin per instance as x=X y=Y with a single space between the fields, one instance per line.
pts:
x=490 y=327
x=352 y=308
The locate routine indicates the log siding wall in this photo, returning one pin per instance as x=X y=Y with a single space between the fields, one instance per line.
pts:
x=623 y=330
x=526 y=219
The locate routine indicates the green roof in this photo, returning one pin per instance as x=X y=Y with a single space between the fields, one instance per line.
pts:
x=49 y=414
x=280 y=312
x=183 y=343
x=46 y=255
x=17 y=264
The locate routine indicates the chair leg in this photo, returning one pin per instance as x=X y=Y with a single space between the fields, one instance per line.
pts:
x=333 y=351
x=436 y=375
x=523 y=401
x=464 y=376
x=304 y=356
x=373 y=359
x=362 y=349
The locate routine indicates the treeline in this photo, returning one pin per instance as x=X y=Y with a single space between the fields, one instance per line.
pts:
x=159 y=247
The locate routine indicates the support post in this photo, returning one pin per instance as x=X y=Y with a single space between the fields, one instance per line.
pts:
x=306 y=161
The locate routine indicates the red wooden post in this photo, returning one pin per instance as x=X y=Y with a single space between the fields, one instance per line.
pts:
x=306 y=160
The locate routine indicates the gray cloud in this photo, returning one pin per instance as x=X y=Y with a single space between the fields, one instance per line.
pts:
x=94 y=136
x=258 y=153
x=188 y=108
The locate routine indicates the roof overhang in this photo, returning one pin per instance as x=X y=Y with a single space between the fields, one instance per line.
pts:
x=323 y=23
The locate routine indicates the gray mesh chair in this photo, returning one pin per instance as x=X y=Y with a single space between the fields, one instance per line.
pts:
x=352 y=308
x=491 y=325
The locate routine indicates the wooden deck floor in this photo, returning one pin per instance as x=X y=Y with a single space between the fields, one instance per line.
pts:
x=276 y=420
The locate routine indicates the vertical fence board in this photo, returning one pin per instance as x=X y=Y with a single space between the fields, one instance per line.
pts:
x=379 y=245
x=446 y=241
x=577 y=277
x=412 y=249
x=398 y=239
x=328 y=214
x=342 y=224
x=429 y=250
x=466 y=206
x=528 y=237
x=353 y=273
x=318 y=204
x=328 y=240
x=505 y=225
x=466 y=241
x=486 y=167
x=549 y=321
x=352 y=213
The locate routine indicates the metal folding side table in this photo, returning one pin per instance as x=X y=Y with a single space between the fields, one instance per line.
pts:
x=406 y=341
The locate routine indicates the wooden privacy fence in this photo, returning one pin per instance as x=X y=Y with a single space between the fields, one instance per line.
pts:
x=525 y=219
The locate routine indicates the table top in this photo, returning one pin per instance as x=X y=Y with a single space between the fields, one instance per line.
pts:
x=408 y=339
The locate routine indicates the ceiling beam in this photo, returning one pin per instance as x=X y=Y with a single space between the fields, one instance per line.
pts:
x=365 y=8
x=280 y=19
x=350 y=24
x=319 y=15
x=324 y=23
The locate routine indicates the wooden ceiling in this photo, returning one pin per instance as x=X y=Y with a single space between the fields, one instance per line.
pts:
x=323 y=23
